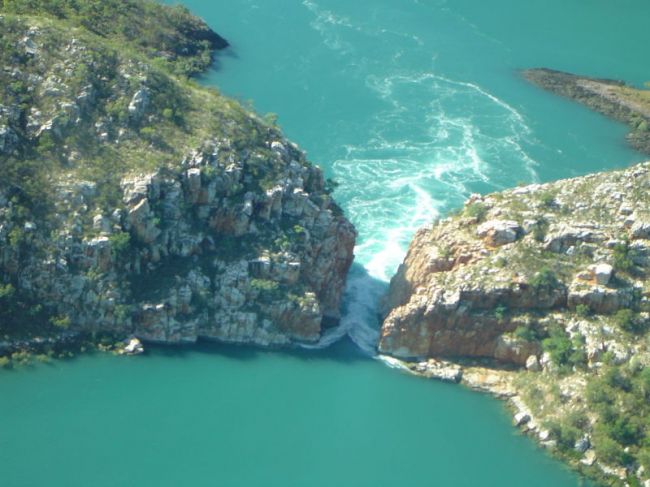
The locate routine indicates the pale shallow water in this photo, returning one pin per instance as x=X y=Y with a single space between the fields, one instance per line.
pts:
x=411 y=105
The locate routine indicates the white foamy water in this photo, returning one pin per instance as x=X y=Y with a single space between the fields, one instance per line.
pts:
x=431 y=141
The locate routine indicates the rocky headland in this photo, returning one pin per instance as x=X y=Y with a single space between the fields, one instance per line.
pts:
x=541 y=294
x=134 y=202
x=612 y=98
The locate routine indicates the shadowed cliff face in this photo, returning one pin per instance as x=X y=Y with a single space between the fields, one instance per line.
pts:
x=492 y=280
x=136 y=202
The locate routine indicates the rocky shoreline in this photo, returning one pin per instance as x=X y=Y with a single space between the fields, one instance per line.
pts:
x=539 y=296
x=462 y=295
x=138 y=203
x=612 y=98
x=220 y=229
x=547 y=288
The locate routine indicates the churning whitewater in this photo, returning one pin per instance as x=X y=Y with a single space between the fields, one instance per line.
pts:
x=430 y=140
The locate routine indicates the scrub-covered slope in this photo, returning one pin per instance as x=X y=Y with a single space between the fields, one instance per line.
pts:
x=552 y=280
x=133 y=201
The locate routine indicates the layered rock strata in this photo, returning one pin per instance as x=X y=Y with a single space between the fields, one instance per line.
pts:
x=511 y=260
x=541 y=295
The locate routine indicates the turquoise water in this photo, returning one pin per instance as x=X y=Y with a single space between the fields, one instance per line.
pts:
x=229 y=417
x=411 y=105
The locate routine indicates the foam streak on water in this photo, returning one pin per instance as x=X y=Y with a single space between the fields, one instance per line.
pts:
x=431 y=139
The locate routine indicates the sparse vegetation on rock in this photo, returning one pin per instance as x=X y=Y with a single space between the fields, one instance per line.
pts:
x=568 y=307
x=135 y=202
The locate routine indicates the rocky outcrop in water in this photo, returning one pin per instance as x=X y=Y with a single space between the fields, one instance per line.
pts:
x=189 y=253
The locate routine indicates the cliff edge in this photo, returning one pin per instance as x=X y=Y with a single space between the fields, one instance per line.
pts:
x=133 y=201
x=546 y=288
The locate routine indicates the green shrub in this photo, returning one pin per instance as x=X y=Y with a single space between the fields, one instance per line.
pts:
x=644 y=458
x=562 y=350
x=620 y=397
x=547 y=198
x=62 y=322
x=7 y=291
x=642 y=383
x=264 y=285
x=544 y=281
x=476 y=210
x=598 y=392
x=526 y=333
x=621 y=258
x=629 y=321
x=583 y=310
x=616 y=378
x=500 y=313
x=565 y=434
x=624 y=429
x=540 y=229
x=120 y=243
x=16 y=237
x=609 y=450
x=122 y=312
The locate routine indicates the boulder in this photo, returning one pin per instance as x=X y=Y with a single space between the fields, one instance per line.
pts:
x=562 y=237
x=499 y=232
x=521 y=418
x=640 y=229
x=133 y=347
x=139 y=104
x=603 y=273
x=441 y=370
x=582 y=445
x=532 y=364
x=589 y=459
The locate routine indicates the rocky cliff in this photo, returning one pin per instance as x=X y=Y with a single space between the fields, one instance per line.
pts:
x=469 y=281
x=548 y=286
x=135 y=202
